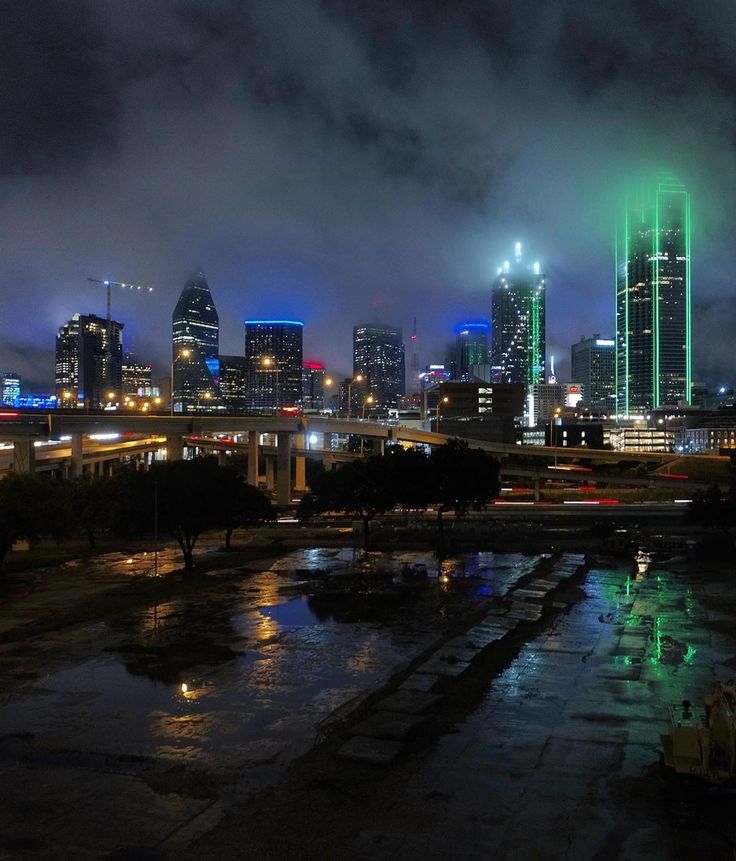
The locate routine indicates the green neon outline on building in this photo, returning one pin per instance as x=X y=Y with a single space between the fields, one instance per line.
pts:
x=649 y=206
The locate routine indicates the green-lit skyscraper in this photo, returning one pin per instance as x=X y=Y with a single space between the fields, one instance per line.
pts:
x=653 y=330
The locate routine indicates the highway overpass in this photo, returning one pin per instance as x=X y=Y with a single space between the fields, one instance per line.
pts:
x=284 y=441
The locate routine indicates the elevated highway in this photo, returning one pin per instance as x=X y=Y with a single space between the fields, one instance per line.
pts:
x=284 y=441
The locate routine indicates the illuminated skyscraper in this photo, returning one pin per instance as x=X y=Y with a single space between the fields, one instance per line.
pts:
x=653 y=329
x=137 y=377
x=518 y=334
x=232 y=383
x=10 y=389
x=196 y=337
x=594 y=367
x=378 y=357
x=82 y=375
x=273 y=363
x=471 y=348
x=313 y=386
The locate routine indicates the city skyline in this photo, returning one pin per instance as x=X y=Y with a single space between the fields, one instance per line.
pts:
x=324 y=177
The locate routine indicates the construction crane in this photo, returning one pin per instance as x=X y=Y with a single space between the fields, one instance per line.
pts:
x=121 y=285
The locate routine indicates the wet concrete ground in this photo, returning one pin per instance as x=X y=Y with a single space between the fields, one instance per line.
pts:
x=559 y=761
x=118 y=731
x=159 y=730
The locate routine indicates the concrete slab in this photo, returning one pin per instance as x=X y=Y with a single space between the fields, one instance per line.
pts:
x=384 y=724
x=452 y=654
x=420 y=682
x=376 y=751
x=409 y=702
x=437 y=666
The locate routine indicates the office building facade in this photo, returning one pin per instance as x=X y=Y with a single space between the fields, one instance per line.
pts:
x=518 y=330
x=88 y=370
x=471 y=348
x=136 y=379
x=378 y=357
x=313 y=386
x=273 y=364
x=653 y=323
x=232 y=383
x=195 y=349
x=594 y=367
x=10 y=389
x=546 y=400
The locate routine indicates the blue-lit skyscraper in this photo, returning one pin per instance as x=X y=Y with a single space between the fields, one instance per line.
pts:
x=10 y=389
x=471 y=349
x=273 y=364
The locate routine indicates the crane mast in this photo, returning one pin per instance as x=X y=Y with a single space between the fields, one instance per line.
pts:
x=121 y=285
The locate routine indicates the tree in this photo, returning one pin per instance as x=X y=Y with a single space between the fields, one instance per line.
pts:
x=246 y=506
x=361 y=487
x=461 y=478
x=91 y=499
x=31 y=507
x=189 y=496
x=714 y=510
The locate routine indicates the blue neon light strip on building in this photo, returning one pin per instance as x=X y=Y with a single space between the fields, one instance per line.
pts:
x=273 y=323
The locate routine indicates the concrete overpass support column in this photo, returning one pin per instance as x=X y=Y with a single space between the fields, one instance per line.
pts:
x=24 y=456
x=327 y=441
x=300 y=462
x=300 y=476
x=328 y=461
x=222 y=457
x=174 y=448
x=253 y=440
x=77 y=455
x=382 y=446
x=283 y=468
x=270 y=472
x=536 y=488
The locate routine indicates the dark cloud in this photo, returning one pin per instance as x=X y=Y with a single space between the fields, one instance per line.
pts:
x=348 y=160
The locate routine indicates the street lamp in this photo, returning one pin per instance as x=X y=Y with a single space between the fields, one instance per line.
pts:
x=326 y=384
x=182 y=354
x=441 y=401
x=368 y=401
x=358 y=378
x=552 y=434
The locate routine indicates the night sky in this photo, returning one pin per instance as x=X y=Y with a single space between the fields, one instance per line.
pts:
x=349 y=161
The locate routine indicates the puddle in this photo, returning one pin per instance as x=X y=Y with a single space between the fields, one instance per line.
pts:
x=291 y=614
x=244 y=671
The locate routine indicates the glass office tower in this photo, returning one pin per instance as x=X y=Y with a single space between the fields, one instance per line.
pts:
x=378 y=357
x=594 y=367
x=195 y=355
x=471 y=348
x=273 y=364
x=88 y=372
x=653 y=328
x=518 y=331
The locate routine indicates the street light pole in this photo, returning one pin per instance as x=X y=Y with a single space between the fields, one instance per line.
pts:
x=358 y=378
x=441 y=401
